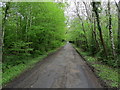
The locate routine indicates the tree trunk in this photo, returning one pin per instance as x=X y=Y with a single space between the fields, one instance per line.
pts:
x=4 y=21
x=95 y=9
x=3 y=28
x=94 y=32
x=17 y=27
x=82 y=24
x=110 y=30
x=26 y=30
x=93 y=28
x=119 y=27
x=83 y=30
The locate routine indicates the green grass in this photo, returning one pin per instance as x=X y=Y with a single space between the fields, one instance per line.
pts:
x=14 y=71
x=106 y=73
x=110 y=75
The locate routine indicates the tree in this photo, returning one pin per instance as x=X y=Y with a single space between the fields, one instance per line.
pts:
x=77 y=13
x=91 y=17
x=32 y=29
x=6 y=7
x=119 y=27
x=100 y=30
x=110 y=30
x=96 y=10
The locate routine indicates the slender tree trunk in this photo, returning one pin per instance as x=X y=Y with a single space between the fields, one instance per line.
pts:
x=4 y=21
x=3 y=27
x=82 y=23
x=88 y=15
x=21 y=36
x=110 y=30
x=26 y=28
x=99 y=27
x=83 y=30
x=30 y=23
x=1 y=42
x=16 y=27
x=93 y=28
x=94 y=31
x=117 y=5
x=119 y=27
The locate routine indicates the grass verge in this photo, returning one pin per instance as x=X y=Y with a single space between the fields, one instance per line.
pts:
x=15 y=71
x=105 y=73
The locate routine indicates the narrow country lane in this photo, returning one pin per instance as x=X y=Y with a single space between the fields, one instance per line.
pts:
x=64 y=69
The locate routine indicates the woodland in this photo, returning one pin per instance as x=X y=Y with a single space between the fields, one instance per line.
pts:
x=29 y=34
x=97 y=31
x=30 y=30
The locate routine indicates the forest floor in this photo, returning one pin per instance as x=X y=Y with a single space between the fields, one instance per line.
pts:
x=63 y=69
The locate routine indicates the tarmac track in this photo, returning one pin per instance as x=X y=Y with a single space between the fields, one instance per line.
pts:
x=63 y=69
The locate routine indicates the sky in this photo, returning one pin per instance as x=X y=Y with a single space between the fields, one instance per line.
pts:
x=70 y=10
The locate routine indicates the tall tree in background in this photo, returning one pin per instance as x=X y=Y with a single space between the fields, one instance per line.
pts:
x=32 y=29
x=96 y=5
x=110 y=30
x=119 y=27
x=91 y=17
x=100 y=30
x=80 y=19
x=4 y=15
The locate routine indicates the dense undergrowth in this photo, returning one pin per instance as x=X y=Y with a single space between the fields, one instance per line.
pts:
x=107 y=74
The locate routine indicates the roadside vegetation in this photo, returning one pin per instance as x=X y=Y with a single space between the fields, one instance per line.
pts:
x=107 y=74
x=14 y=71
x=96 y=33
x=31 y=31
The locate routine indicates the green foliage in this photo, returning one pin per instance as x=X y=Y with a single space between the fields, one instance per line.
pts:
x=11 y=72
x=20 y=48
x=106 y=73
x=33 y=28
x=93 y=44
x=109 y=74
x=30 y=30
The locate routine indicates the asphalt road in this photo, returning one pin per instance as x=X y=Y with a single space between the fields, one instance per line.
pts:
x=63 y=69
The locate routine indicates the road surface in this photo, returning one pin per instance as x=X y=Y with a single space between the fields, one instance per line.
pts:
x=63 y=69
